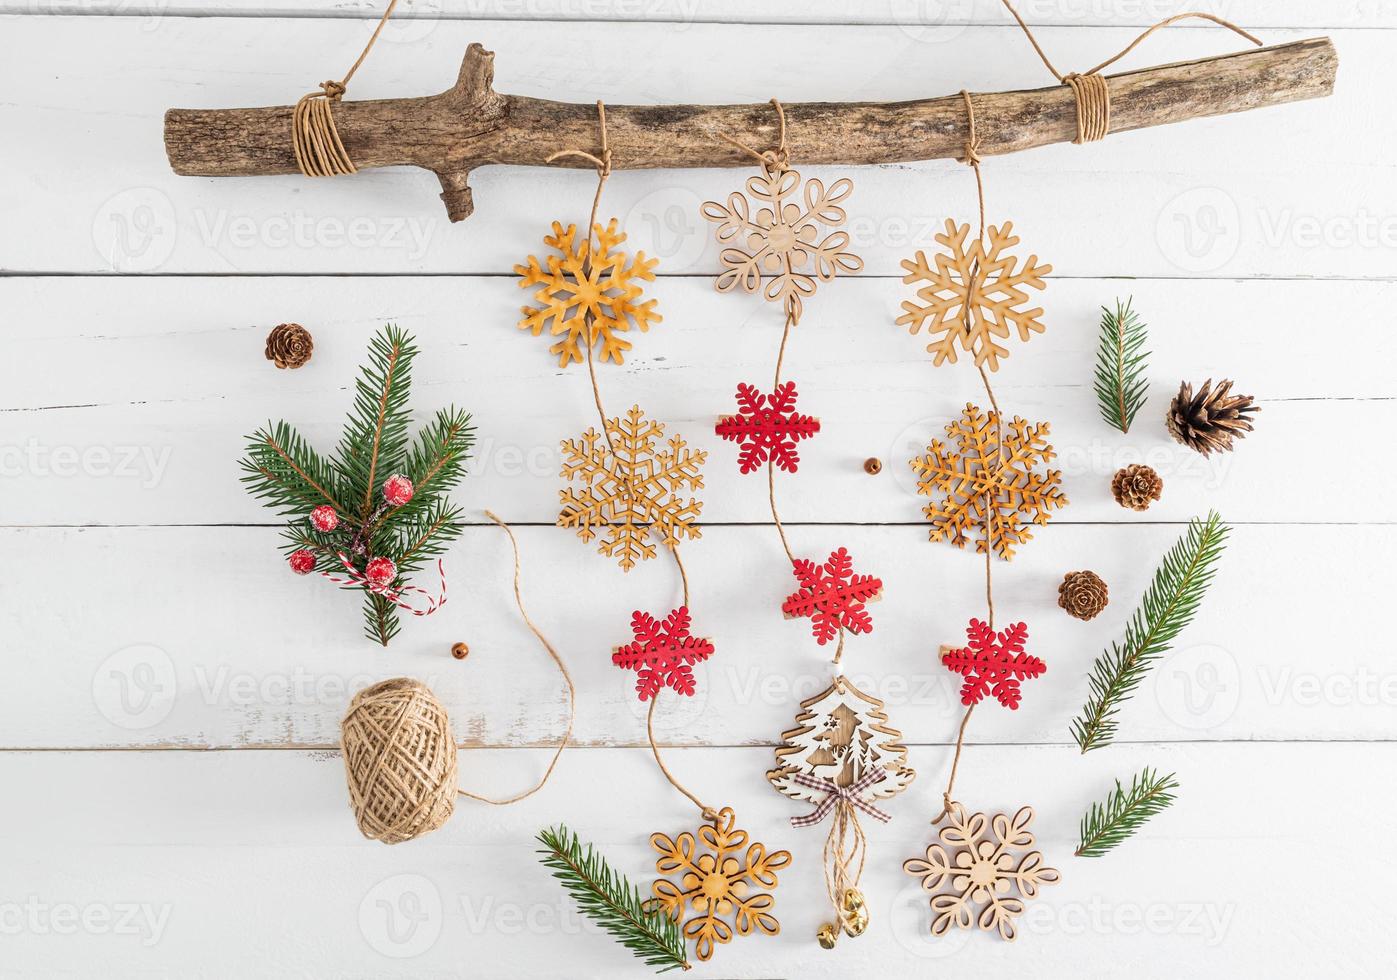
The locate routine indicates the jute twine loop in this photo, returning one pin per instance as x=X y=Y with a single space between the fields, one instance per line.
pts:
x=399 y=754
x=314 y=136
x=775 y=161
x=1093 y=106
x=1089 y=88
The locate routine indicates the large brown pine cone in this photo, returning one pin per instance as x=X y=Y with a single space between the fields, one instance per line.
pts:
x=289 y=345
x=1136 y=486
x=1082 y=594
x=1210 y=419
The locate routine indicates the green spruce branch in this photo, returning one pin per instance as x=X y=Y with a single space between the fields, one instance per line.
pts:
x=610 y=900
x=1107 y=824
x=1169 y=605
x=283 y=470
x=1121 y=387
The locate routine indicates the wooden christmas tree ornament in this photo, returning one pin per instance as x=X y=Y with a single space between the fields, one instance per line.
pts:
x=981 y=871
x=841 y=757
x=629 y=487
x=718 y=882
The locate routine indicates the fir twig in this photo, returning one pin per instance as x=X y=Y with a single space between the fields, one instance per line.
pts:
x=1120 y=366
x=1107 y=824
x=1169 y=605
x=609 y=899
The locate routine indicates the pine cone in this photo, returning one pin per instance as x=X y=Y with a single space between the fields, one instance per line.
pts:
x=289 y=345
x=1082 y=594
x=1136 y=486
x=1211 y=419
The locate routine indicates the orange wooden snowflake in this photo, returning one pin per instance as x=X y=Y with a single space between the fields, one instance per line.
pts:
x=973 y=295
x=632 y=492
x=587 y=296
x=780 y=239
x=717 y=877
x=988 y=486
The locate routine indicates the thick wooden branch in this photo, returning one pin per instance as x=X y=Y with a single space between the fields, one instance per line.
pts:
x=471 y=125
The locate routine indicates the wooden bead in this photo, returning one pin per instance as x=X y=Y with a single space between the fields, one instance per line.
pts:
x=460 y=651
x=873 y=466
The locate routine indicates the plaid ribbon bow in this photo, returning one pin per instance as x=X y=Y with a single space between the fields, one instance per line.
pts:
x=853 y=794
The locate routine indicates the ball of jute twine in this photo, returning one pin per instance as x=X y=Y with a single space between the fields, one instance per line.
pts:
x=399 y=759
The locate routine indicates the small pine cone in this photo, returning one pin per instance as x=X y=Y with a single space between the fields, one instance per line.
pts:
x=289 y=345
x=1082 y=594
x=1136 y=486
x=1211 y=419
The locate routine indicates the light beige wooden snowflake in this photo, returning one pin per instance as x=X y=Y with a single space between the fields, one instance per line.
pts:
x=632 y=492
x=987 y=487
x=586 y=295
x=717 y=876
x=980 y=878
x=778 y=236
x=973 y=295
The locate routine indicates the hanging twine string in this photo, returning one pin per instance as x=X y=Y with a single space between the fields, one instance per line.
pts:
x=562 y=669
x=1089 y=88
x=602 y=163
x=314 y=136
x=972 y=159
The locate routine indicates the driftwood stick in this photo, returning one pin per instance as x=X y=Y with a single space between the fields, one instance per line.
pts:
x=471 y=125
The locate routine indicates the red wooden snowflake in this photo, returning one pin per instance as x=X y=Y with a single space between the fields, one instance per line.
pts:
x=993 y=664
x=663 y=653
x=768 y=427
x=832 y=596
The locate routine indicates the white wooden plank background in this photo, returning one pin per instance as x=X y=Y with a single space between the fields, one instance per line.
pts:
x=144 y=612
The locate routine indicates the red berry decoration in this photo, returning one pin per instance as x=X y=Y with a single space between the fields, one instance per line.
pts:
x=380 y=571
x=993 y=664
x=832 y=596
x=768 y=427
x=397 y=490
x=302 y=561
x=663 y=653
x=324 y=518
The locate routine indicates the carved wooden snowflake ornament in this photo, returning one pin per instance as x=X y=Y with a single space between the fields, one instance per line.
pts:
x=586 y=295
x=768 y=427
x=779 y=236
x=632 y=492
x=978 y=878
x=987 y=488
x=973 y=294
x=663 y=653
x=719 y=885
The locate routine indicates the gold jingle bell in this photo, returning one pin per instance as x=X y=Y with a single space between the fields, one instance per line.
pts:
x=853 y=900
x=856 y=923
x=827 y=936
